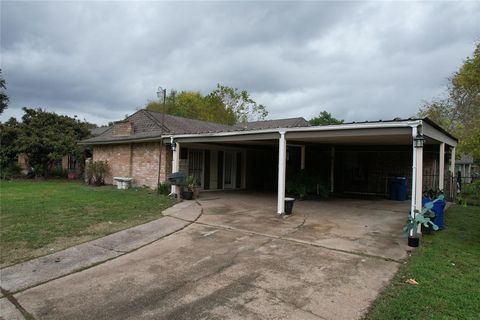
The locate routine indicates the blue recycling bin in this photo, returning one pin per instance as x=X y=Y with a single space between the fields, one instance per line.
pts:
x=438 y=208
x=398 y=188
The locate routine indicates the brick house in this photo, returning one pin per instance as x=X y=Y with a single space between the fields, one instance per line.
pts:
x=349 y=159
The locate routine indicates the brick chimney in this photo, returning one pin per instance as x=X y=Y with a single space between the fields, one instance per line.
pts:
x=122 y=128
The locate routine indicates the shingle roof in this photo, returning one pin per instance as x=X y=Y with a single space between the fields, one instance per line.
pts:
x=151 y=125
x=98 y=131
x=180 y=125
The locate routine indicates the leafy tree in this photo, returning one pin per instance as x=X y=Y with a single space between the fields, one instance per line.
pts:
x=3 y=95
x=240 y=103
x=459 y=112
x=46 y=136
x=223 y=105
x=324 y=119
x=9 y=132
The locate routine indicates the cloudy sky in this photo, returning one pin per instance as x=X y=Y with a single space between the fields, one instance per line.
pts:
x=357 y=60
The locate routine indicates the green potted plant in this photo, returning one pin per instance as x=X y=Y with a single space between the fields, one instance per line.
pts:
x=422 y=217
x=190 y=187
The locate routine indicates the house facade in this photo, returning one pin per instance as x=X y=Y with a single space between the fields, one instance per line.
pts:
x=354 y=159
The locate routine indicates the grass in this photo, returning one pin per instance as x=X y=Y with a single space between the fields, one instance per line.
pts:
x=447 y=268
x=40 y=217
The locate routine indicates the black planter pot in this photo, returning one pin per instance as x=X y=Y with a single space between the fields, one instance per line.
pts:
x=426 y=230
x=289 y=205
x=187 y=195
x=413 y=242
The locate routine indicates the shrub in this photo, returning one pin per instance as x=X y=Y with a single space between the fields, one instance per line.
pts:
x=163 y=188
x=10 y=171
x=96 y=172
x=304 y=183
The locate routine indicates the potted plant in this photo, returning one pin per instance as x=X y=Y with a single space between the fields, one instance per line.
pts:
x=190 y=186
x=422 y=218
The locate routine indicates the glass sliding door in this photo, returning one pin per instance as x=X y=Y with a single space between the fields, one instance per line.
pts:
x=195 y=165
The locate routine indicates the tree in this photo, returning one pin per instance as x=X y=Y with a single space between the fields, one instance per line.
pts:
x=46 y=136
x=240 y=103
x=3 y=94
x=459 y=111
x=223 y=105
x=9 y=132
x=324 y=119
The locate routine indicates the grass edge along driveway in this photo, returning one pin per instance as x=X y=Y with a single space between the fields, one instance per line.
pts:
x=42 y=217
x=447 y=269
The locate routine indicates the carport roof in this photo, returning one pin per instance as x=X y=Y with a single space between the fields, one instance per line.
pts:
x=154 y=126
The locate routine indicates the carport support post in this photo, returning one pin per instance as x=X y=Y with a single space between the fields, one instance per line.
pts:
x=282 y=159
x=175 y=165
x=441 y=169
x=302 y=157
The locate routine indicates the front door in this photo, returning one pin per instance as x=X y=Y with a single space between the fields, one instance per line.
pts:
x=229 y=170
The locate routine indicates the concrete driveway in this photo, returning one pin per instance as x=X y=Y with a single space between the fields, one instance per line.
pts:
x=239 y=261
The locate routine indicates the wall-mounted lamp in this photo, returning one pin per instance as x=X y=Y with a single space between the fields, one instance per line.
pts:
x=418 y=141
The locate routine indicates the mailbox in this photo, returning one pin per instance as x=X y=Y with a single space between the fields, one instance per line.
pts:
x=177 y=178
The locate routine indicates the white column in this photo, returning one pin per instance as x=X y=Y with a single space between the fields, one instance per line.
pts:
x=282 y=159
x=302 y=157
x=332 y=169
x=419 y=178
x=175 y=164
x=441 y=169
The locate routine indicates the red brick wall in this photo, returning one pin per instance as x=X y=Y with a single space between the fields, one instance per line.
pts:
x=137 y=160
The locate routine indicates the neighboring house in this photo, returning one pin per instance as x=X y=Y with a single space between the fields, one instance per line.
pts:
x=465 y=167
x=351 y=159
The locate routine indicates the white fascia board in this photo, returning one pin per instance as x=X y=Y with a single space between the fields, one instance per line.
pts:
x=434 y=133
x=263 y=133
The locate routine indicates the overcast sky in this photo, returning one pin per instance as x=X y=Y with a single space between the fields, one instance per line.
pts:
x=357 y=60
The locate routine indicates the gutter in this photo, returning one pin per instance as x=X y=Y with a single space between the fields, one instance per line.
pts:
x=404 y=124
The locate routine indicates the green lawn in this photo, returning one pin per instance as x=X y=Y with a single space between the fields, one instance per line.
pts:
x=447 y=268
x=40 y=217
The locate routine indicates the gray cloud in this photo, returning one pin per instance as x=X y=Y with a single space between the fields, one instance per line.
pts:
x=101 y=60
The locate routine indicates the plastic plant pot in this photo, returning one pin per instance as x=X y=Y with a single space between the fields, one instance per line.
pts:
x=413 y=242
x=187 y=195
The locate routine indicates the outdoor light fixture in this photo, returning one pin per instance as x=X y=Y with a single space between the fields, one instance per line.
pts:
x=161 y=93
x=173 y=143
x=418 y=141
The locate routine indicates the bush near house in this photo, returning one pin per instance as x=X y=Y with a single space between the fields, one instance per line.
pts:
x=41 y=217
x=470 y=194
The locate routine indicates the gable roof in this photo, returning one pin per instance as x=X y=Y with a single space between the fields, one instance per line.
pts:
x=151 y=125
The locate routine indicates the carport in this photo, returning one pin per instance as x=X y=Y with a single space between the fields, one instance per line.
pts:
x=409 y=137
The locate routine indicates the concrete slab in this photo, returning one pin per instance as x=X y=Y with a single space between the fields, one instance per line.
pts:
x=8 y=311
x=33 y=272
x=133 y=238
x=205 y=272
x=40 y=270
x=186 y=210
x=371 y=227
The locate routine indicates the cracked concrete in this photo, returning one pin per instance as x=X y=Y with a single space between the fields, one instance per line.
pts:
x=240 y=261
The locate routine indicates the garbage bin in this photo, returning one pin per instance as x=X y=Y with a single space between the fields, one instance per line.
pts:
x=177 y=178
x=438 y=208
x=398 y=188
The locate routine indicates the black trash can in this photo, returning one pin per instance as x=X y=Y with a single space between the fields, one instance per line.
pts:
x=289 y=205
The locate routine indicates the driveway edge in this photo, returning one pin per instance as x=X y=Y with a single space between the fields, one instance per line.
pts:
x=32 y=273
